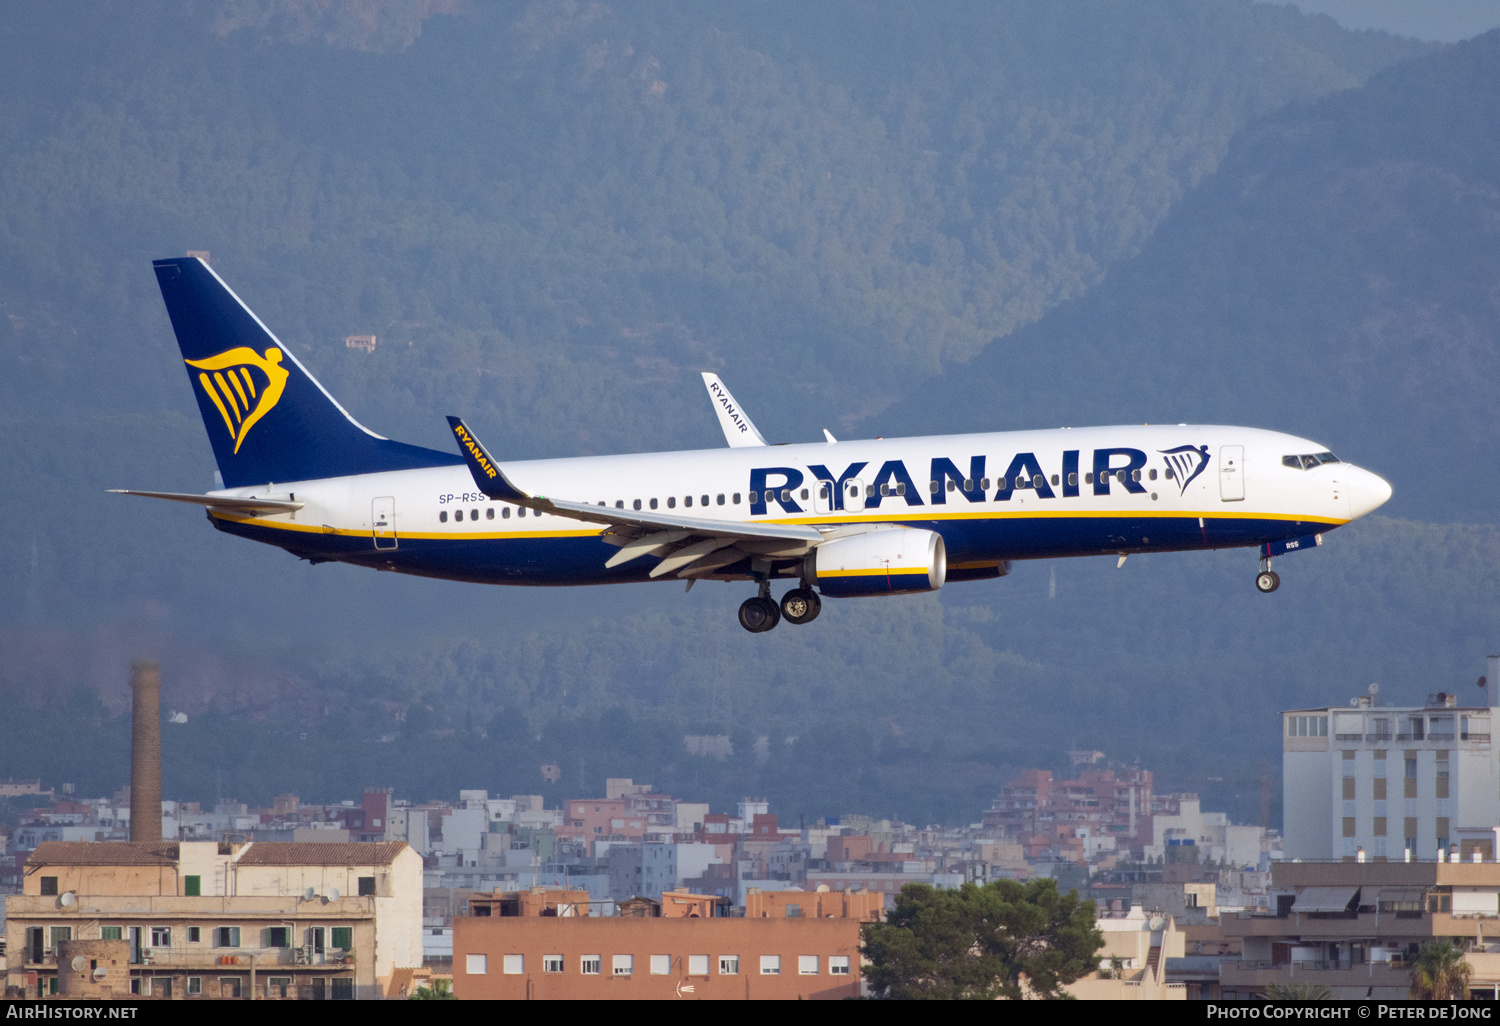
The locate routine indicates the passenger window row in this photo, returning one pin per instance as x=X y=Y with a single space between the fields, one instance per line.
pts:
x=687 y=501
x=489 y=514
x=785 y=494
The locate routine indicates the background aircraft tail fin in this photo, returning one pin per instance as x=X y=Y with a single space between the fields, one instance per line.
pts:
x=268 y=419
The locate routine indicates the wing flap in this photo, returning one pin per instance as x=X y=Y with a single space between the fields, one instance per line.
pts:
x=690 y=554
x=641 y=519
x=657 y=544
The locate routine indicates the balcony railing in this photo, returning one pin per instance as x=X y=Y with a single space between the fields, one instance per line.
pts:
x=1252 y=965
x=260 y=958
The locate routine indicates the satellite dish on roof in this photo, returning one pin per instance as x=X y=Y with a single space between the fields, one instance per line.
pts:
x=67 y=899
x=1354 y=703
x=333 y=894
x=1374 y=689
x=1157 y=922
x=100 y=973
x=309 y=894
x=78 y=963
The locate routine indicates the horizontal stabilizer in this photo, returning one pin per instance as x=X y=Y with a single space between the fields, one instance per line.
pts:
x=230 y=503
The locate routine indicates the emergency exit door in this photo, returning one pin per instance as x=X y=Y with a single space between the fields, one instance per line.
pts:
x=1231 y=473
x=854 y=495
x=823 y=496
x=383 y=521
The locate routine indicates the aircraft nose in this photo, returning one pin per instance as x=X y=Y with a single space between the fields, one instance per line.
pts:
x=1367 y=492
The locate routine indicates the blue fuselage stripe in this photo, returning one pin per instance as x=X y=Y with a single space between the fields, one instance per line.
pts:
x=579 y=559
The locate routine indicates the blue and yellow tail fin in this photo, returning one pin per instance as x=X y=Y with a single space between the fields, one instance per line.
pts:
x=268 y=419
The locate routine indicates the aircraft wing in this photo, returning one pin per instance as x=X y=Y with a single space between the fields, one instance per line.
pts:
x=738 y=429
x=691 y=546
x=229 y=503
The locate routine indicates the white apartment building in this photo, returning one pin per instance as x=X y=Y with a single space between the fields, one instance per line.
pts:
x=1386 y=779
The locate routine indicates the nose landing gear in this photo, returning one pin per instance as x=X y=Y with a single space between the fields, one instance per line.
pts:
x=1267 y=580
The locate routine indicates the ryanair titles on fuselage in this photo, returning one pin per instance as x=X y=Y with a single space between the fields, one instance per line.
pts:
x=1114 y=466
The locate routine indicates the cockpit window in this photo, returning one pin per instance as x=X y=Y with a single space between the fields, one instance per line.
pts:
x=1307 y=461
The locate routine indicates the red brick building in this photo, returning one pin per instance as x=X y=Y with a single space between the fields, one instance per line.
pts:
x=771 y=956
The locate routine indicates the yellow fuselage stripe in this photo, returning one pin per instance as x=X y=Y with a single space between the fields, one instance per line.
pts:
x=914 y=514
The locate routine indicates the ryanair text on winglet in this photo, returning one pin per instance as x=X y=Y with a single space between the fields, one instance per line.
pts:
x=723 y=399
x=467 y=441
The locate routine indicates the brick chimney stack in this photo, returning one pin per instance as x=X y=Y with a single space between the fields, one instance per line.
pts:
x=145 y=752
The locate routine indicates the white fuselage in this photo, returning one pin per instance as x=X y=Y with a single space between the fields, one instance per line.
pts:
x=1184 y=487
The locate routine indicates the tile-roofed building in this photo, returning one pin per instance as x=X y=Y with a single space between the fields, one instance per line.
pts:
x=293 y=853
x=104 y=853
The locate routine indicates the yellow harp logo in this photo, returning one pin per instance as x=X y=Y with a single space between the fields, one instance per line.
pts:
x=228 y=381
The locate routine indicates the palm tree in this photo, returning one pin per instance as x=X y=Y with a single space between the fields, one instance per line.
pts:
x=1440 y=973
x=1298 y=992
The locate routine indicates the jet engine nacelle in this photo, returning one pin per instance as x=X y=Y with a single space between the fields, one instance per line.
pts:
x=890 y=562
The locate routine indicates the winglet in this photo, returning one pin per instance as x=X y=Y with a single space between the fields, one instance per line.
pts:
x=487 y=473
x=739 y=432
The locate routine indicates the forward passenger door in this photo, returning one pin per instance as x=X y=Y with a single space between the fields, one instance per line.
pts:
x=1232 y=473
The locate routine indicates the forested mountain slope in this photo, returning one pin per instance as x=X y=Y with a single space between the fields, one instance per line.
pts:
x=553 y=215
x=1338 y=276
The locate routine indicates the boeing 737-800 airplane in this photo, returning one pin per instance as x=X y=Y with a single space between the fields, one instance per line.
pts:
x=873 y=517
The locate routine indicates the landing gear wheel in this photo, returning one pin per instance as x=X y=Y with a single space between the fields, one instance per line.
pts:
x=758 y=615
x=1267 y=581
x=801 y=605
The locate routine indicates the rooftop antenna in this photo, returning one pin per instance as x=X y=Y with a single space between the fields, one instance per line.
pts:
x=1265 y=796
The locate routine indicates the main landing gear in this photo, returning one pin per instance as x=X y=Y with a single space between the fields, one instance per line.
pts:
x=801 y=605
x=1267 y=580
x=761 y=613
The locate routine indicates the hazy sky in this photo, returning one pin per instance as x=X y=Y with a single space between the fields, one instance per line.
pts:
x=1446 y=21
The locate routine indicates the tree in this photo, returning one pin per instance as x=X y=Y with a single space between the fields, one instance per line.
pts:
x=1440 y=973
x=978 y=942
x=1298 y=992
